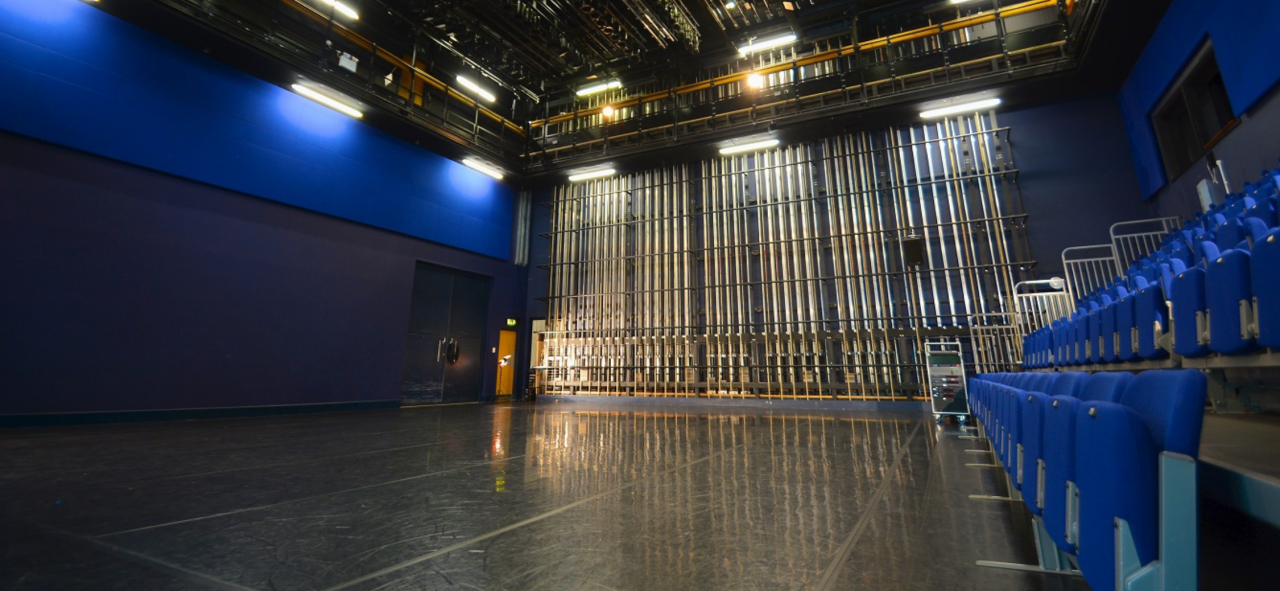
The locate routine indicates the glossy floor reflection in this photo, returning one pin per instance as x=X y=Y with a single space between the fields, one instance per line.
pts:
x=555 y=497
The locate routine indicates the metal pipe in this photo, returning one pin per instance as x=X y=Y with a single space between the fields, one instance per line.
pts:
x=847 y=50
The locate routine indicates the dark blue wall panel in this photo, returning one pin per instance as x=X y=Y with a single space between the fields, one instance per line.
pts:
x=1076 y=178
x=79 y=77
x=128 y=289
x=1244 y=39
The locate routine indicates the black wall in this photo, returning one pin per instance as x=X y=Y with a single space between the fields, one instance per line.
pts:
x=128 y=289
x=1077 y=177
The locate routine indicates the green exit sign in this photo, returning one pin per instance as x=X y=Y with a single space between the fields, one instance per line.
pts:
x=511 y=322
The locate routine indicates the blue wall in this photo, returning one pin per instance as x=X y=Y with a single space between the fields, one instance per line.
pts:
x=1076 y=177
x=128 y=289
x=1245 y=40
x=79 y=77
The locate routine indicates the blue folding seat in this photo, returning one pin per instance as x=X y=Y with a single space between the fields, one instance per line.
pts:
x=1058 y=329
x=1070 y=326
x=1190 y=307
x=995 y=403
x=1123 y=450
x=1230 y=300
x=1096 y=311
x=1264 y=210
x=1237 y=207
x=1030 y=467
x=1231 y=232
x=1011 y=419
x=1152 y=314
x=1182 y=251
x=1030 y=408
x=1108 y=338
x=1047 y=380
x=1126 y=347
x=1060 y=455
x=1082 y=333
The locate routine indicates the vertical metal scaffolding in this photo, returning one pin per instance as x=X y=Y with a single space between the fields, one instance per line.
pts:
x=812 y=271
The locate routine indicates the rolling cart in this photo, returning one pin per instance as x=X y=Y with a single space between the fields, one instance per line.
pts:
x=948 y=389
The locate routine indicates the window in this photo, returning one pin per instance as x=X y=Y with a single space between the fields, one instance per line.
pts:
x=1193 y=115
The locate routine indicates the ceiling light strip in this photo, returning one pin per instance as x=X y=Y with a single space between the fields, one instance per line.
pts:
x=594 y=174
x=328 y=101
x=960 y=108
x=477 y=165
x=348 y=11
x=932 y=30
x=601 y=87
x=473 y=87
x=755 y=46
x=751 y=147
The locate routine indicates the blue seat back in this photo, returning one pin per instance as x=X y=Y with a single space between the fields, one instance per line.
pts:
x=1117 y=463
x=1069 y=383
x=1126 y=310
x=1032 y=410
x=1229 y=276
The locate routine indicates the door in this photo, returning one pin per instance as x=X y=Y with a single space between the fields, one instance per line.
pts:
x=469 y=315
x=506 y=362
x=444 y=349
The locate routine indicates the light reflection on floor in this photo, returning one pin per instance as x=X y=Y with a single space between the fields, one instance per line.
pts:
x=508 y=497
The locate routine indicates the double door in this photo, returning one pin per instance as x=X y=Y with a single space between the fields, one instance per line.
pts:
x=444 y=354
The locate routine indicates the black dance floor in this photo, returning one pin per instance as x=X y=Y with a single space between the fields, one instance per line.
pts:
x=519 y=497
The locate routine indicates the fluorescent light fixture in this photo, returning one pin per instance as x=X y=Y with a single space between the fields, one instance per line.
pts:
x=327 y=101
x=755 y=46
x=482 y=167
x=348 y=11
x=730 y=5
x=594 y=174
x=601 y=87
x=960 y=1
x=751 y=147
x=960 y=108
x=607 y=111
x=473 y=87
x=755 y=81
